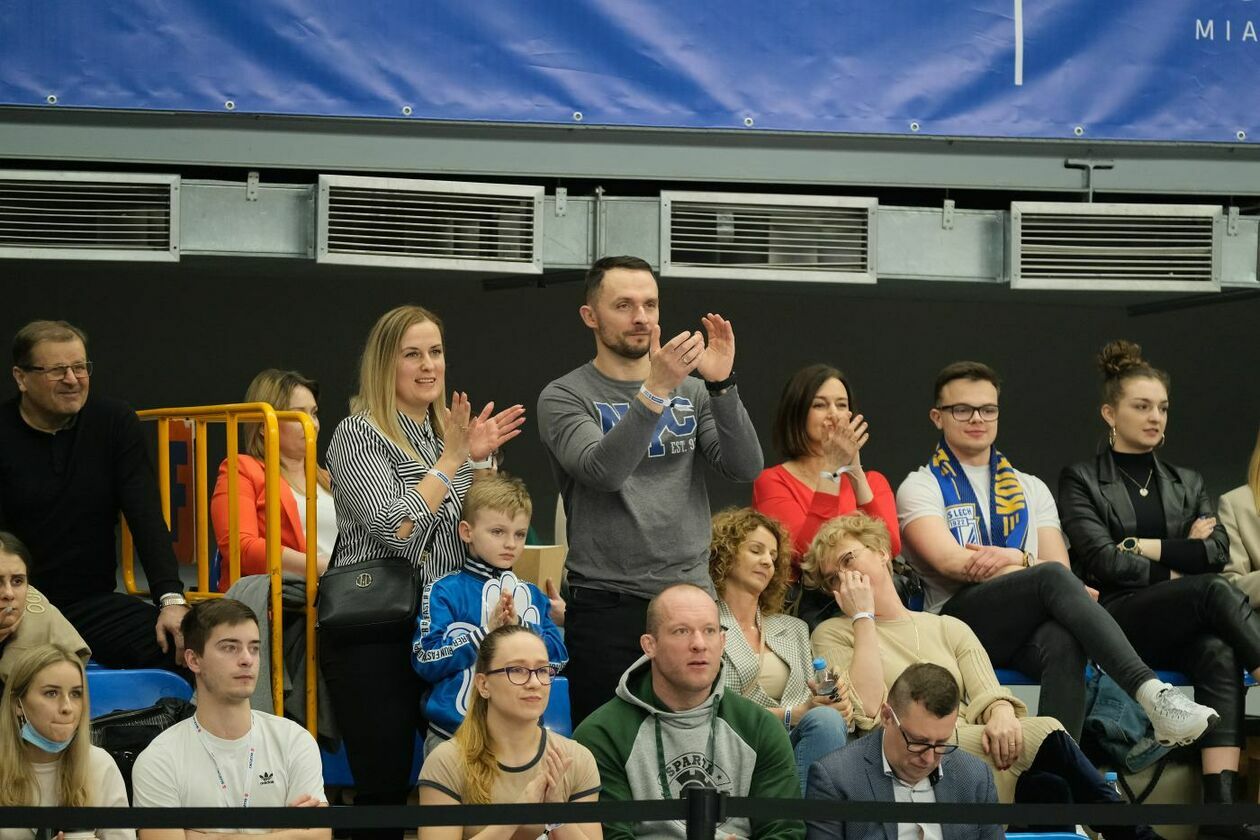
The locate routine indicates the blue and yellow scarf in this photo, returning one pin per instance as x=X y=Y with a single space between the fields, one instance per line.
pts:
x=1008 y=512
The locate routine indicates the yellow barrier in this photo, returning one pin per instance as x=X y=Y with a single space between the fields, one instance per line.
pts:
x=269 y=419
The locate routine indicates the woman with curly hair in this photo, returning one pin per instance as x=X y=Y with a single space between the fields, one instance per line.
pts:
x=767 y=656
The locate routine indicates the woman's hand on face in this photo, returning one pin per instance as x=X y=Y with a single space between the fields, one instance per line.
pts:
x=1202 y=527
x=855 y=593
x=1003 y=737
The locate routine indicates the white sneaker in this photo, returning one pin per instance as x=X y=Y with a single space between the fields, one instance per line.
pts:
x=1177 y=719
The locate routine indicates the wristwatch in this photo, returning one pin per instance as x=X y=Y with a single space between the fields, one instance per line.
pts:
x=172 y=599
x=1131 y=545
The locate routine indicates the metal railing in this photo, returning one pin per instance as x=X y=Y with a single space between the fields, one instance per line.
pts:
x=231 y=415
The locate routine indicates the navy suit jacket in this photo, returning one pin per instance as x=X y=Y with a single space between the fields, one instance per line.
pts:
x=856 y=772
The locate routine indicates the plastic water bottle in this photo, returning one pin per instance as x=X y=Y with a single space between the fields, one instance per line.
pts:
x=1113 y=781
x=824 y=680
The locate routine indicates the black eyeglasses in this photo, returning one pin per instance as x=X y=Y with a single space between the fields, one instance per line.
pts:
x=963 y=412
x=519 y=674
x=920 y=747
x=81 y=370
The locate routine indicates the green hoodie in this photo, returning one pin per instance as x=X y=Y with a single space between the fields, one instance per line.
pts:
x=727 y=742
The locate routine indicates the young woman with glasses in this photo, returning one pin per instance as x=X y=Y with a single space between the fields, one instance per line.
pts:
x=1032 y=758
x=1145 y=533
x=502 y=755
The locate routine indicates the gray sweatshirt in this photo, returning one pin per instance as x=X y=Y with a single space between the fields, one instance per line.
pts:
x=633 y=481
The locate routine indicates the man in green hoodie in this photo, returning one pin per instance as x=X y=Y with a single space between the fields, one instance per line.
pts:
x=671 y=727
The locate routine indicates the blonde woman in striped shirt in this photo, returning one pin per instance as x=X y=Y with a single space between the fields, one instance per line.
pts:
x=400 y=464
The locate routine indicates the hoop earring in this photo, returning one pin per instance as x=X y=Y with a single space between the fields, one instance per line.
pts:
x=1111 y=438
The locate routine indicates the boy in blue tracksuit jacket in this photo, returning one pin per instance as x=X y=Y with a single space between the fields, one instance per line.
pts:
x=459 y=609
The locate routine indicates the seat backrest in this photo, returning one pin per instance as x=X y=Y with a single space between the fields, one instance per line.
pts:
x=557 y=716
x=113 y=690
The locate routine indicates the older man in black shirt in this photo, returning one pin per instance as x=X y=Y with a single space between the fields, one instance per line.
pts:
x=68 y=466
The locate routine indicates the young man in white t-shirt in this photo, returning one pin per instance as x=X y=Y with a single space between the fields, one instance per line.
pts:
x=228 y=755
x=986 y=539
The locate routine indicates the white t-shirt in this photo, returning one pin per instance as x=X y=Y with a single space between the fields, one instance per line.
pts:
x=326 y=519
x=104 y=781
x=920 y=495
x=275 y=763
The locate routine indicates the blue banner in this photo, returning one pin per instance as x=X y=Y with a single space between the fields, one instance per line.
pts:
x=1168 y=70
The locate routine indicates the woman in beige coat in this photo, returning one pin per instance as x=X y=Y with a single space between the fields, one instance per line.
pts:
x=1240 y=514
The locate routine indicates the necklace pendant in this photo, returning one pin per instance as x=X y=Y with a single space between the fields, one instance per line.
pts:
x=1143 y=492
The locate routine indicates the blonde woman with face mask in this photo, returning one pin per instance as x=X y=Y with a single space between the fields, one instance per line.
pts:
x=46 y=752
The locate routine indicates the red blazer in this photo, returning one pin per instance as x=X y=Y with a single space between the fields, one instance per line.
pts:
x=251 y=504
x=779 y=494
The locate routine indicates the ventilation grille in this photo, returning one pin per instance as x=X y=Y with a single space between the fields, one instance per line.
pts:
x=1115 y=247
x=430 y=224
x=768 y=237
x=89 y=216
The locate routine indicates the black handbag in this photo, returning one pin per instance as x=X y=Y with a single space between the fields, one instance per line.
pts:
x=125 y=734
x=373 y=600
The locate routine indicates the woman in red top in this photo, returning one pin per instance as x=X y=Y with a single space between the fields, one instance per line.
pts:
x=817 y=432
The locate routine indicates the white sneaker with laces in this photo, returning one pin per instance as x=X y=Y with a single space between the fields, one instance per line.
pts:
x=1177 y=719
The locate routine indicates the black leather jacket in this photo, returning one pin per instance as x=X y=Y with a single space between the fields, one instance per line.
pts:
x=1097 y=514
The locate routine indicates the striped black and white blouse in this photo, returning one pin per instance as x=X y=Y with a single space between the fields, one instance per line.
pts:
x=373 y=483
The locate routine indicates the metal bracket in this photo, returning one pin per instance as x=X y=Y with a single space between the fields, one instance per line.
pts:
x=1089 y=166
x=1231 y=222
x=599 y=220
x=251 y=186
x=947 y=214
x=562 y=201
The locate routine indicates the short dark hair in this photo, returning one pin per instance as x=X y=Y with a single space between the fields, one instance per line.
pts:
x=655 y=612
x=10 y=544
x=595 y=274
x=971 y=371
x=36 y=331
x=926 y=683
x=204 y=616
x=788 y=431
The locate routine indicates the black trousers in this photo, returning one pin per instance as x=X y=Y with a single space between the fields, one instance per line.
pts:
x=120 y=630
x=601 y=632
x=1042 y=621
x=1204 y=626
x=375 y=698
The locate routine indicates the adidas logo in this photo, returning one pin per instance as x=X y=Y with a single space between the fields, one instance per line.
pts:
x=266 y=779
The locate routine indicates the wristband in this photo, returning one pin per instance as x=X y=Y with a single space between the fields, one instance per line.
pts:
x=718 y=387
x=834 y=476
x=652 y=398
x=487 y=464
x=444 y=477
x=863 y=614
x=550 y=827
x=787 y=718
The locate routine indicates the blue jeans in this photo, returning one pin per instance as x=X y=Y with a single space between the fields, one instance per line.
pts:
x=821 y=731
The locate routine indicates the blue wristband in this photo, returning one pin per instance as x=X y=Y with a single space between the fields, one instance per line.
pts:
x=445 y=479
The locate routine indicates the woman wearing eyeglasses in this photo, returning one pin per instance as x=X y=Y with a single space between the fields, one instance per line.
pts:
x=502 y=755
x=1144 y=532
x=1033 y=759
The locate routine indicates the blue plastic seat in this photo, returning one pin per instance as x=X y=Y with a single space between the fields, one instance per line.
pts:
x=1009 y=676
x=557 y=717
x=112 y=689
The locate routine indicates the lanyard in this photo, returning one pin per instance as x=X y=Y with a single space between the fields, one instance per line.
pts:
x=249 y=764
x=662 y=774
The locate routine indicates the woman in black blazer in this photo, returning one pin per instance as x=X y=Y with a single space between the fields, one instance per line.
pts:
x=1144 y=533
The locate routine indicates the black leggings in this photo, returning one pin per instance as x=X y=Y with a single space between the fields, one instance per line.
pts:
x=1204 y=626
x=1042 y=621
x=375 y=698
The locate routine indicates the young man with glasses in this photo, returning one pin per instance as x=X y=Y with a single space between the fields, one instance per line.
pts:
x=914 y=758
x=69 y=465
x=986 y=539
x=673 y=727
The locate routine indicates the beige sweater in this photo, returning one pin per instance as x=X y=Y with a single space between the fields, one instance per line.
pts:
x=948 y=642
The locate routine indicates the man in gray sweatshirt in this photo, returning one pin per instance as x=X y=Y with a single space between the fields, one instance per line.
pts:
x=627 y=435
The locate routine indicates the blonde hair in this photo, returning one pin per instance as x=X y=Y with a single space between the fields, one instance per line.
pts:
x=481 y=766
x=499 y=493
x=730 y=528
x=377 y=397
x=17 y=777
x=867 y=530
x=1253 y=474
x=275 y=387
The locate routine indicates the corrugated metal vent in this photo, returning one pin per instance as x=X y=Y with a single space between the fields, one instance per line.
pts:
x=1115 y=247
x=768 y=237
x=89 y=215
x=430 y=224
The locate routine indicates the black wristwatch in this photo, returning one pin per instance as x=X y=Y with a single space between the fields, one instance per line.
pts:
x=718 y=387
